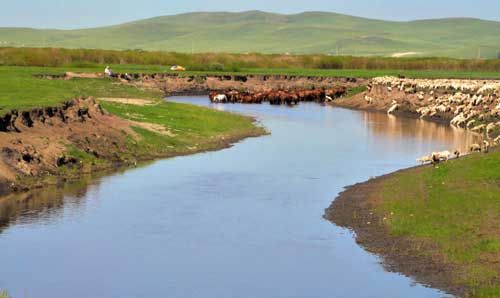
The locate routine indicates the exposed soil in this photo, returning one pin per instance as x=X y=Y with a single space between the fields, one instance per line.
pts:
x=34 y=143
x=130 y=101
x=354 y=209
x=179 y=84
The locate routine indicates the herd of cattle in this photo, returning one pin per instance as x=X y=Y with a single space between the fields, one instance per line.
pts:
x=289 y=97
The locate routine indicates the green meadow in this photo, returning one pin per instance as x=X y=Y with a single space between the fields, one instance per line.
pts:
x=456 y=207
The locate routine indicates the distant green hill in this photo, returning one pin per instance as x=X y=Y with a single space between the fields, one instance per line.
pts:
x=255 y=31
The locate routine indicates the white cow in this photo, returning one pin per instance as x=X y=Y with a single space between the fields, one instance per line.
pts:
x=220 y=98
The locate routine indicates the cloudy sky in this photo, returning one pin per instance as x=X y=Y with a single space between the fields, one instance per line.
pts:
x=91 y=13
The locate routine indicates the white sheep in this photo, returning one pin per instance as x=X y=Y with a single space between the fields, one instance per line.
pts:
x=425 y=159
x=393 y=109
x=443 y=155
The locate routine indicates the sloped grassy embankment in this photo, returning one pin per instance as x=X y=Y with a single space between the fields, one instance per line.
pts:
x=440 y=225
x=53 y=130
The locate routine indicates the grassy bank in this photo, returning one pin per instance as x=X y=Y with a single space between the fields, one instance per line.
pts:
x=455 y=208
x=158 y=128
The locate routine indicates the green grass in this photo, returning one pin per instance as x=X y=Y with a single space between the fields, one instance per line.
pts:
x=4 y=294
x=19 y=89
x=457 y=207
x=193 y=129
x=312 y=32
x=190 y=128
x=355 y=90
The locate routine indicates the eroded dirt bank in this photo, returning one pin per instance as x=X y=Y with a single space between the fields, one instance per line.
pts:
x=177 y=84
x=50 y=145
x=33 y=143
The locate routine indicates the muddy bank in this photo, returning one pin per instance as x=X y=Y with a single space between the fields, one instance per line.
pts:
x=354 y=209
x=466 y=104
x=52 y=145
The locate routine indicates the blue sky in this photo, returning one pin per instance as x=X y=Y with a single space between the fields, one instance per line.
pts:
x=91 y=13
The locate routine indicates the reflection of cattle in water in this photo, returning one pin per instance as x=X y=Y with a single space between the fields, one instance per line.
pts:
x=278 y=97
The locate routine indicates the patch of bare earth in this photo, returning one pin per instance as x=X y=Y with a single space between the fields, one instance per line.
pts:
x=34 y=143
x=157 y=128
x=129 y=101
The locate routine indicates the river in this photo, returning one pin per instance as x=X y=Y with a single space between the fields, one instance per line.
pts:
x=240 y=222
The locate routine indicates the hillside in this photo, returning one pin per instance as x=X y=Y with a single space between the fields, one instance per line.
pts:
x=255 y=31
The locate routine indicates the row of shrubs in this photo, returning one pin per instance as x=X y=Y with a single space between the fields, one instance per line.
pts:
x=232 y=62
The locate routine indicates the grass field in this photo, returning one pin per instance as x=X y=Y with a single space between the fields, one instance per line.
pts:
x=19 y=89
x=191 y=129
x=255 y=31
x=457 y=207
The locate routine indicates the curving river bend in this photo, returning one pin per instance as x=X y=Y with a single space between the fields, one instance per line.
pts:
x=241 y=222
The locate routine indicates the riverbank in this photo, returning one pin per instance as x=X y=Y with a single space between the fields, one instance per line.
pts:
x=48 y=138
x=438 y=225
x=464 y=104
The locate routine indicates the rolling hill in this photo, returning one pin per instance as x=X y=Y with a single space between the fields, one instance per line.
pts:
x=255 y=31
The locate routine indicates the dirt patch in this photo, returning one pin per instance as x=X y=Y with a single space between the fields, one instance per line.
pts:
x=354 y=209
x=157 y=128
x=34 y=143
x=129 y=101
x=71 y=75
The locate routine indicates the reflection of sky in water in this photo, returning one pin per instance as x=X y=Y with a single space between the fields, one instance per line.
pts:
x=241 y=222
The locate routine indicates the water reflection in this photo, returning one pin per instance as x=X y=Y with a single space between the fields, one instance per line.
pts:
x=243 y=222
x=393 y=128
x=42 y=206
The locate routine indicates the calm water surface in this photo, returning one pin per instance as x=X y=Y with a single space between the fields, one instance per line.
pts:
x=241 y=222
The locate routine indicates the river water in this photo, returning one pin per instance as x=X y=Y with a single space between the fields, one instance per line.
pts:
x=241 y=222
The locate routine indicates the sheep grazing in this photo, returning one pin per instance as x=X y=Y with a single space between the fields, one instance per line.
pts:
x=475 y=148
x=393 y=109
x=486 y=146
x=456 y=153
x=490 y=128
x=443 y=155
x=496 y=141
x=425 y=159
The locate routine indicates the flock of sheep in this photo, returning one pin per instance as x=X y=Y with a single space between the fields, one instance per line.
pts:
x=437 y=157
x=467 y=104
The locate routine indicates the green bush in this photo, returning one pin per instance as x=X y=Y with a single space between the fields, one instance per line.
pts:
x=216 y=67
